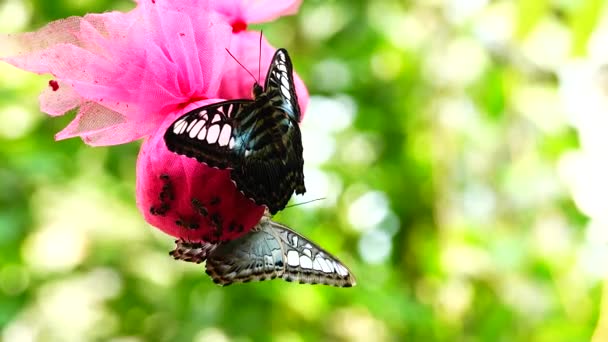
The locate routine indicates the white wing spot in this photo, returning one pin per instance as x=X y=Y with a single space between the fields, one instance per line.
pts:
x=216 y=119
x=213 y=134
x=268 y=260
x=332 y=266
x=202 y=134
x=293 y=259
x=192 y=123
x=285 y=82
x=231 y=143
x=194 y=131
x=307 y=252
x=282 y=67
x=247 y=153
x=317 y=265
x=225 y=135
x=324 y=265
x=342 y=270
x=203 y=115
x=285 y=92
x=294 y=240
x=305 y=262
x=179 y=126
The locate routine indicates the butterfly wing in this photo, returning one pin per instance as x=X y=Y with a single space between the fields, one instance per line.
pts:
x=211 y=134
x=255 y=256
x=308 y=263
x=273 y=166
x=273 y=250
x=196 y=252
x=279 y=81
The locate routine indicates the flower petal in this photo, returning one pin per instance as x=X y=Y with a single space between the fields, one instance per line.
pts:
x=258 y=11
x=142 y=65
x=188 y=199
x=58 y=99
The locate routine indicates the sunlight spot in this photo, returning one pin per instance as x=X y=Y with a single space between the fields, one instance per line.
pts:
x=548 y=46
x=55 y=248
x=212 y=334
x=16 y=121
x=454 y=299
x=322 y=21
x=14 y=16
x=375 y=246
x=331 y=75
x=367 y=211
x=459 y=63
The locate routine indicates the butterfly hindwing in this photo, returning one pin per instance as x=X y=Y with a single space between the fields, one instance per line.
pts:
x=273 y=250
x=256 y=256
x=196 y=252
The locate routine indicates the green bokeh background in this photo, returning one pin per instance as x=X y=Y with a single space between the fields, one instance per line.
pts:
x=460 y=147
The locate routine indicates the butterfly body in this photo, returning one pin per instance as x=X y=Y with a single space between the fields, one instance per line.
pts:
x=259 y=140
x=271 y=250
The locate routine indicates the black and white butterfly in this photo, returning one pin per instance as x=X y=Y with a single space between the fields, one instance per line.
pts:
x=259 y=139
x=270 y=250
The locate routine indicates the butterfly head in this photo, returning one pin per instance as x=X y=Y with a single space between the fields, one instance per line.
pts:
x=257 y=90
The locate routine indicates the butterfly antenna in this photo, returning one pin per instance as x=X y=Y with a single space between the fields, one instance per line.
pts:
x=242 y=66
x=297 y=204
x=260 y=56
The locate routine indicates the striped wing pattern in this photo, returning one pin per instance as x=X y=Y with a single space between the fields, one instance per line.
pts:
x=271 y=250
x=259 y=140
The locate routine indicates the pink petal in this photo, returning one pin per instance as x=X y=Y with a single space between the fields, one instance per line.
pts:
x=266 y=10
x=237 y=83
x=136 y=67
x=167 y=185
x=258 y=11
x=60 y=100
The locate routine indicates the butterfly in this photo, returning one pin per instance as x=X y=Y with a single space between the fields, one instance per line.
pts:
x=270 y=250
x=259 y=139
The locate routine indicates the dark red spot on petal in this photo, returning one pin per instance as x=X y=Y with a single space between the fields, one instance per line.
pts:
x=181 y=34
x=153 y=1
x=54 y=85
x=239 y=26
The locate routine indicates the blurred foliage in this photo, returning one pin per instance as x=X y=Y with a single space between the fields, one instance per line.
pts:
x=460 y=146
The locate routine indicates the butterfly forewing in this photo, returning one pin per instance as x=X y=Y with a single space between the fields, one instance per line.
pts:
x=273 y=250
x=258 y=139
x=280 y=79
x=308 y=263
x=210 y=134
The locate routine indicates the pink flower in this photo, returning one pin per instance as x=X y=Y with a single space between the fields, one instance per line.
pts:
x=130 y=75
x=187 y=199
x=127 y=71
